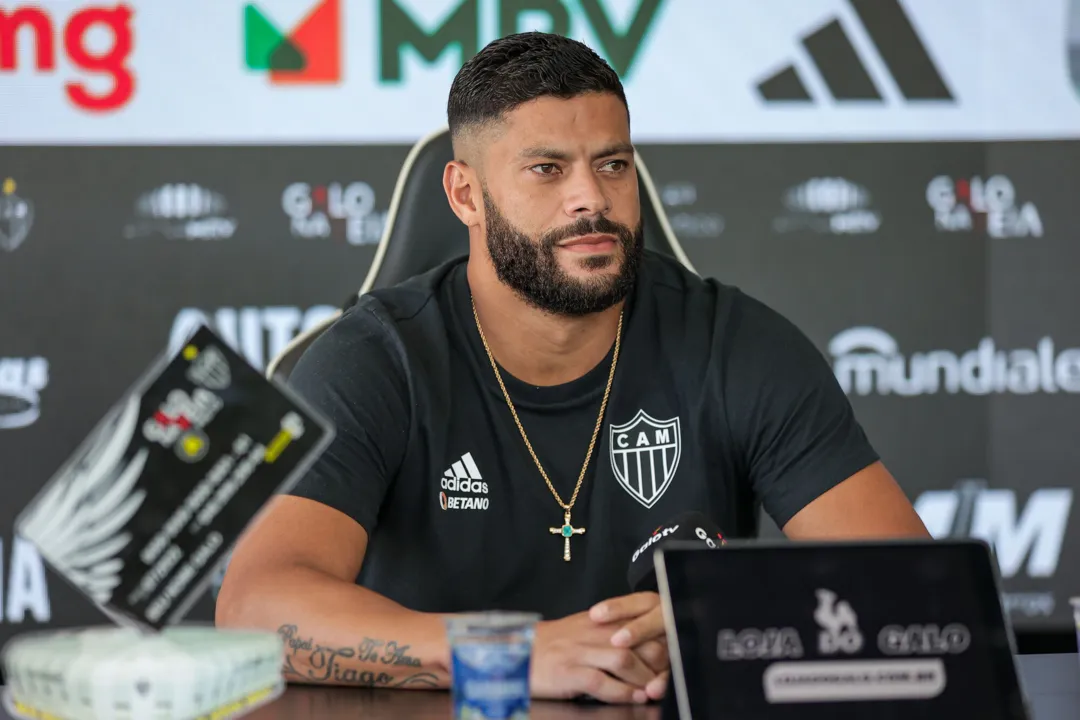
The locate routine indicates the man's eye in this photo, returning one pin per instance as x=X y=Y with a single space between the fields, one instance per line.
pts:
x=616 y=165
x=545 y=169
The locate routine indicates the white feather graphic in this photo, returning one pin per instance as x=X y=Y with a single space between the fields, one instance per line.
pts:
x=75 y=524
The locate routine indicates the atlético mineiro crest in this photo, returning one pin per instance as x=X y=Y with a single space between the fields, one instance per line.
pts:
x=644 y=455
x=16 y=217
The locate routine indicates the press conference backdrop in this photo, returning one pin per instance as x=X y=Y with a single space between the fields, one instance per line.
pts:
x=899 y=179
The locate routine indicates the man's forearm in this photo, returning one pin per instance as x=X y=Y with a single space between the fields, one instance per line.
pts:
x=338 y=633
x=370 y=662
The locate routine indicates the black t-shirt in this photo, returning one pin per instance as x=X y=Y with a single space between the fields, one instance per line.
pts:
x=719 y=404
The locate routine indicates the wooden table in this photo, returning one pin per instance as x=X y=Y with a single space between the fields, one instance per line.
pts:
x=301 y=703
x=1052 y=683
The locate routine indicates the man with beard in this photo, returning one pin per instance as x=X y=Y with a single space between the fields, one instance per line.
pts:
x=510 y=425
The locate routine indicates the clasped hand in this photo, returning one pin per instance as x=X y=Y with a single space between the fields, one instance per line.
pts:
x=615 y=652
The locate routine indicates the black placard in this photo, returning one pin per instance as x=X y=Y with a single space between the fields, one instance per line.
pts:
x=149 y=505
x=815 y=631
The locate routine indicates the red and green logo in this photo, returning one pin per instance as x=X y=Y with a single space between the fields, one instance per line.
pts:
x=309 y=54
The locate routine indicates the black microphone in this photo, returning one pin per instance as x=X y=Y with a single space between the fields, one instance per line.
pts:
x=688 y=527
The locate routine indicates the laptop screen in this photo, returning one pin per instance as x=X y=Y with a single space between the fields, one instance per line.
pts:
x=839 y=630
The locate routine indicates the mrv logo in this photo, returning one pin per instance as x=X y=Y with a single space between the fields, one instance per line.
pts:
x=459 y=26
x=425 y=30
x=867 y=360
x=1034 y=535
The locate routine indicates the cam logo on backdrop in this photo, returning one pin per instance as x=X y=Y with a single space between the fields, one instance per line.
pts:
x=16 y=216
x=257 y=333
x=867 y=361
x=33 y=23
x=1028 y=539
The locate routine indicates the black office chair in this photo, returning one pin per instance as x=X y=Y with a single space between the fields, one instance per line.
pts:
x=422 y=232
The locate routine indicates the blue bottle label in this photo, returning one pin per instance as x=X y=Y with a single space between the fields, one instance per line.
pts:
x=491 y=680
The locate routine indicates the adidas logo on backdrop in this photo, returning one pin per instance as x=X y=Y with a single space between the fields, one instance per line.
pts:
x=847 y=77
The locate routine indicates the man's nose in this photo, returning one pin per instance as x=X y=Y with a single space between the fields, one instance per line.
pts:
x=587 y=195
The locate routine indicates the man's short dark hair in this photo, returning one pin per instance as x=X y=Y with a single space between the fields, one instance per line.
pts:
x=518 y=68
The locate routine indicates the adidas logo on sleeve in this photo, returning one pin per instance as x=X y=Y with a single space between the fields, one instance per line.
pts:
x=463 y=478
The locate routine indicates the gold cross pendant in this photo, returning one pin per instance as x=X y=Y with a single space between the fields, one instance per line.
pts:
x=567 y=531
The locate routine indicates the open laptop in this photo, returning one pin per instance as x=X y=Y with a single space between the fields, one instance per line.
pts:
x=812 y=630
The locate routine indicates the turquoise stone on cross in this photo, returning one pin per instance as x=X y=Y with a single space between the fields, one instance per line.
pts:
x=567 y=531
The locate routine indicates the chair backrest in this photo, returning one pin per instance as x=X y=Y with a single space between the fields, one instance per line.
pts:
x=422 y=232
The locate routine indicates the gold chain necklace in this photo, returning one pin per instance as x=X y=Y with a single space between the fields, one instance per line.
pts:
x=566 y=530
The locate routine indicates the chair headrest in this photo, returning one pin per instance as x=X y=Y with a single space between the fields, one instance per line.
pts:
x=423 y=232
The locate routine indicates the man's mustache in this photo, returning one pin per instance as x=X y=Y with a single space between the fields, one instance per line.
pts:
x=586 y=226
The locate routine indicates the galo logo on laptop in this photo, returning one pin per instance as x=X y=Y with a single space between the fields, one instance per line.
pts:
x=839 y=625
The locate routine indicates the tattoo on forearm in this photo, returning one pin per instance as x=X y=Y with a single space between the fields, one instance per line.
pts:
x=307 y=661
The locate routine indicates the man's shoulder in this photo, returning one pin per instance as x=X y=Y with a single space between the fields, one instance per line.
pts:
x=398 y=304
x=670 y=282
x=693 y=309
x=409 y=298
x=383 y=321
x=666 y=270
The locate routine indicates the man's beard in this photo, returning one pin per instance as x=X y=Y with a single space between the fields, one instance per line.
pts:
x=531 y=269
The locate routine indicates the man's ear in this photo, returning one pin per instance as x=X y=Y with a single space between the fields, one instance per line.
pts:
x=462 y=187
